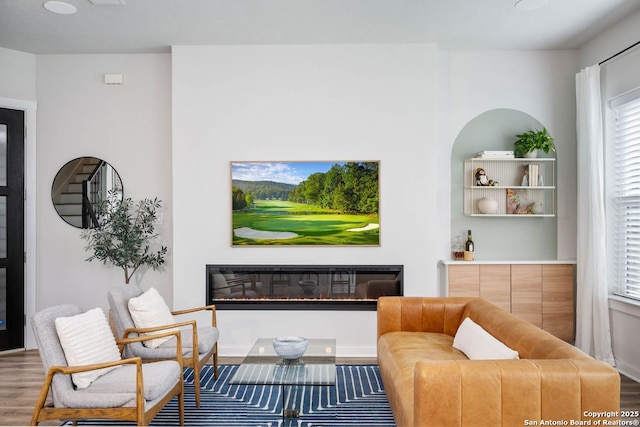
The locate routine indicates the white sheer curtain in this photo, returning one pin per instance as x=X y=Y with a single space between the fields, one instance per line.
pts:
x=593 y=334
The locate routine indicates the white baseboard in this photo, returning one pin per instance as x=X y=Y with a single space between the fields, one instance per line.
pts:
x=628 y=371
x=15 y=350
x=353 y=351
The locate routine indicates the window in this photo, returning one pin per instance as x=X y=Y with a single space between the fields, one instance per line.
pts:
x=624 y=192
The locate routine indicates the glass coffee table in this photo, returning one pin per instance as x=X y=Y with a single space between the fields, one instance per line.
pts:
x=262 y=366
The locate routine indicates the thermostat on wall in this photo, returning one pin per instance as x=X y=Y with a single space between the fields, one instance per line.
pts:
x=114 y=79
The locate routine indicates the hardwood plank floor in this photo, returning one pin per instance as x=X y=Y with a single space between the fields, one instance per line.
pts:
x=21 y=377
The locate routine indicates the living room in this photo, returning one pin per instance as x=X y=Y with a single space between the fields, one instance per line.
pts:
x=172 y=129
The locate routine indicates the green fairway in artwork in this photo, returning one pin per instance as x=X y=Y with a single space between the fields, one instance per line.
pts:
x=277 y=222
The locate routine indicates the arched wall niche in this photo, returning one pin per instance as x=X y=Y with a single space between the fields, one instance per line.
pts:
x=521 y=238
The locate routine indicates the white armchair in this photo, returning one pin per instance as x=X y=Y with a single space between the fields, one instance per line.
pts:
x=133 y=392
x=199 y=342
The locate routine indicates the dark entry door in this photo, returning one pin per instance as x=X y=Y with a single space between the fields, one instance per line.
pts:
x=11 y=229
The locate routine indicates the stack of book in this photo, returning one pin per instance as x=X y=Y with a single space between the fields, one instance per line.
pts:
x=488 y=154
x=532 y=172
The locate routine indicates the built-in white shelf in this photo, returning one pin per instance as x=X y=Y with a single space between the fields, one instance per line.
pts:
x=508 y=175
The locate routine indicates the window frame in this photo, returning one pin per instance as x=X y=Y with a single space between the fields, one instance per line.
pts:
x=619 y=251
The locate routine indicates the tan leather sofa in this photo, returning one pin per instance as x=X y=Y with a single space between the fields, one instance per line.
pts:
x=429 y=383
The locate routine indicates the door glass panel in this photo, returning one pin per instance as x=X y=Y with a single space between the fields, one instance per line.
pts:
x=3 y=154
x=3 y=299
x=3 y=227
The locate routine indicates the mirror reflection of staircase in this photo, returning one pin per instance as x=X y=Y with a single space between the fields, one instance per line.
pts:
x=67 y=198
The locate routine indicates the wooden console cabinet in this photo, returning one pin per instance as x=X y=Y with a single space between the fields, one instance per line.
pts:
x=541 y=293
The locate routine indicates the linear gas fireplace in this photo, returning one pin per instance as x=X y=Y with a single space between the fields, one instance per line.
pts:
x=301 y=287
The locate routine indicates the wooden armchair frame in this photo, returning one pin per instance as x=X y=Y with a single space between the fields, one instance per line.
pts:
x=138 y=413
x=194 y=361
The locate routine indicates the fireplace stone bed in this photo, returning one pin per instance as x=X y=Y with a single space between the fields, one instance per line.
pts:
x=301 y=287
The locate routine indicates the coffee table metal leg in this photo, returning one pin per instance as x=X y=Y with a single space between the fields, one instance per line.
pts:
x=291 y=401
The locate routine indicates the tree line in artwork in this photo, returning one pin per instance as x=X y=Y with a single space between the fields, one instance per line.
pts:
x=351 y=187
x=263 y=190
x=240 y=200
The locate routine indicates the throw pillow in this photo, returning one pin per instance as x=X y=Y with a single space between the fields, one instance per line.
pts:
x=478 y=344
x=149 y=310
x=86 y=339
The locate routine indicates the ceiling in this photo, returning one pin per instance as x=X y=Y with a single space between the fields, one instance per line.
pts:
x=152 y=26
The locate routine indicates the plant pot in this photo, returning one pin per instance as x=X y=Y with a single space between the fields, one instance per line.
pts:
x=532 y=154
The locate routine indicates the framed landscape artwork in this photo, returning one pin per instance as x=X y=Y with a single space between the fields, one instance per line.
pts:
x=305 y=203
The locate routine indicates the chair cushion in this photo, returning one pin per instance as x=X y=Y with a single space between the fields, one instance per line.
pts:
x=118 y=388
x=207 y=337
x=86 y=339
x=149 y=310
x=167 y=350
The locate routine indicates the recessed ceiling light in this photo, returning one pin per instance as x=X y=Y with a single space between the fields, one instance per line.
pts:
x=60 y=7
x=530 y=4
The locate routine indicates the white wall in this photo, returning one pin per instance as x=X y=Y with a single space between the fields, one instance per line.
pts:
x=618 y=76
x=401 y=104
x=336 y=103
x=129 y=126
x=611 y=41
x=322 y=102
x=538 y=83
x=17 y=75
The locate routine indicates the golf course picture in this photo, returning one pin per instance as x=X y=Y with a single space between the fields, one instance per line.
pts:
x=305 y=203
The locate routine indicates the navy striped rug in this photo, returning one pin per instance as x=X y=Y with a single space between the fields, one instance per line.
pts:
x=357 y=400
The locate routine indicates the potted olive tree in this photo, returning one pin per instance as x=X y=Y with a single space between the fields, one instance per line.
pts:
x=529 y=143
x=125 y=235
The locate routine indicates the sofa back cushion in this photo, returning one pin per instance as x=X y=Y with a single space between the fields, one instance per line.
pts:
x=419 y=314
x=528 y=340
x=444 y=315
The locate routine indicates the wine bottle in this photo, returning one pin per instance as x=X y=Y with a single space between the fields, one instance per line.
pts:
x=469 y=247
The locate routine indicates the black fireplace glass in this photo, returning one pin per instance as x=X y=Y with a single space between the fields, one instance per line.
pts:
x=301 y=287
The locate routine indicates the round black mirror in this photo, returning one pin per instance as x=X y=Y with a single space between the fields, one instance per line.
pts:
x=80 y=185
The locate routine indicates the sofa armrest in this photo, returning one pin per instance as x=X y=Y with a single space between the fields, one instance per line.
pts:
x=509 y=392
x=420 y=314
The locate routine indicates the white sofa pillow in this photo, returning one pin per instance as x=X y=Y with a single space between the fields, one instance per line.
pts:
x=86 y=338
x=149 y=310
x=478 y=344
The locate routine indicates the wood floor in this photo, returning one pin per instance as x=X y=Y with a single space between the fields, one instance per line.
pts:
x=21 y=377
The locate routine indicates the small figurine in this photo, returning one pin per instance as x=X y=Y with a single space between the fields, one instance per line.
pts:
x=482 y=180
x=481 y=177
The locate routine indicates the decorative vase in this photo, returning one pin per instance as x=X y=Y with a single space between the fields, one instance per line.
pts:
x=457 y=249
x=488 y=205
x=536 y=208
